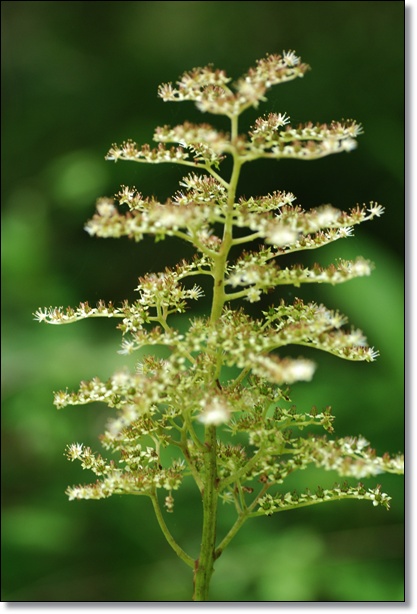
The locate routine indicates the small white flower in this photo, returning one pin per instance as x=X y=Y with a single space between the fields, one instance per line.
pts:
x=281 y=235
x=253 y=295
x=361 y=268
x=327 y=216
x=120 y=378
x=283 y=119
x=41 y=315
x=92 y=227
x=299 y=371
x=348 y=144
x=372 y=354
x=105 y=207
x=345 y=232
x=215 y=413
x=74 y=451
x=397 y=463
x=356 y=337
x=361 y=443
x=61 y=399
x=127 y=347
x=195 y=293
x=290 y=58
x=376 y=210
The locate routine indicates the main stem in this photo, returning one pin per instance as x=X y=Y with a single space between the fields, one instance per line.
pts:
x=204 y=565
x=203 y=569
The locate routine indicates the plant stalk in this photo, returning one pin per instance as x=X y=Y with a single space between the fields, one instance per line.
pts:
x=203 y=568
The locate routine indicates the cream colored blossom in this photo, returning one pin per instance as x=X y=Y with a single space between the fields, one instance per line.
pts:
x=215 y=412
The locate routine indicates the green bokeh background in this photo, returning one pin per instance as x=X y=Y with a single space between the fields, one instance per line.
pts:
x=78 y=76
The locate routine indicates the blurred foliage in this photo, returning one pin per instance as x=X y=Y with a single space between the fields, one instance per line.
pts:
x=78 y=76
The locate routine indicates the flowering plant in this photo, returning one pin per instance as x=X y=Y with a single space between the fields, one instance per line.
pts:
x=217 y=408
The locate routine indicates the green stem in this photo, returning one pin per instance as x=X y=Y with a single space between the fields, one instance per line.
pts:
x=171 y=541
x=248 y=238
x=218 y=177
x=241 y=519
x=193 y=239
x=187 y=455
x=219 y=269
x=232 y=296
x=235 y=528
x=240 y=377
x=162 y=320
x=305 y=504
x=203 y=568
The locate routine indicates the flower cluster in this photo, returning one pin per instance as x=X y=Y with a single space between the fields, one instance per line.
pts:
x=216 y=408
x=59 y=315
x=192 y=155
x=290 y=500
x=192 y=213
x=209 y=89
x=350 y=456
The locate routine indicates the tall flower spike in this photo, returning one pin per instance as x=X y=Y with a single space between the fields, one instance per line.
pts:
x=209 y=399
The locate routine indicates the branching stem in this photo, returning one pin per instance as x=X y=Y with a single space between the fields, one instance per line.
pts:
x=168 y=536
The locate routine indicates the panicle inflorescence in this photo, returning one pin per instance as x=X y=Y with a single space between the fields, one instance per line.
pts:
x=218 y=398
